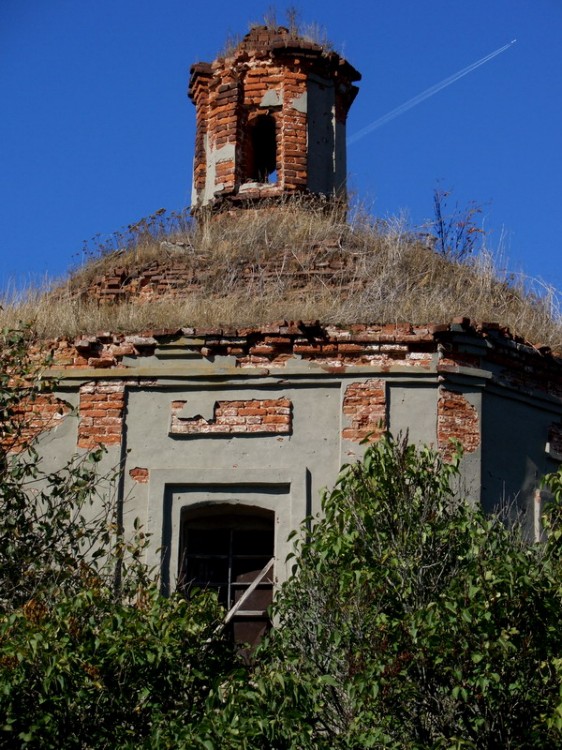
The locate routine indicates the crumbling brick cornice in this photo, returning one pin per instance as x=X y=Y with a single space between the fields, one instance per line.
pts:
x=201 y=71
x=355 y=344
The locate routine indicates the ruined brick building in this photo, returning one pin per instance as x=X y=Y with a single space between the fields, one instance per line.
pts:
x=271 y=119
x=226 y=436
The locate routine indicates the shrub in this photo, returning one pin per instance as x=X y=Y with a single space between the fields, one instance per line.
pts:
x=413 y=620
x=89 y=671
x=91 y=655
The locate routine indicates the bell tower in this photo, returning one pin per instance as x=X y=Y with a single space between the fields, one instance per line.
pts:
x=271 y=120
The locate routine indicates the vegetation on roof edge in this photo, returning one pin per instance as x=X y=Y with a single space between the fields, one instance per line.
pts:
x=257 y=265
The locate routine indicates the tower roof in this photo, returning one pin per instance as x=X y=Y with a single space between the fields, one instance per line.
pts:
x=279 y=41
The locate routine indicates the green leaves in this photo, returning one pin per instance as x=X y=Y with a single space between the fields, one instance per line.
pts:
x=415 y=621
x=412 y=620
x=90 y=654
x=108 y=673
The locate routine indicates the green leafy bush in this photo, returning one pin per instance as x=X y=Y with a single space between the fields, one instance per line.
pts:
x=91 y=655
x=413 y=620
x=89 y=671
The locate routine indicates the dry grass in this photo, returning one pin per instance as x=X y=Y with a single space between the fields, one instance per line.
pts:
x=297 y=261
x=309 y=32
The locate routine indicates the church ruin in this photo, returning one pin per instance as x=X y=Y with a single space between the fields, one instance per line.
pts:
x=225 y=437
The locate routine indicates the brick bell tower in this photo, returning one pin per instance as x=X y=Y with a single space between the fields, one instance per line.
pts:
x=271 y=120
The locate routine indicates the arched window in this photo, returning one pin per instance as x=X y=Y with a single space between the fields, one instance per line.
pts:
x=262 y=161
x=227 y=549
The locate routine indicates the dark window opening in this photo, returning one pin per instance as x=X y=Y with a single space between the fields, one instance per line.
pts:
x=263 y=157
x=226 y=553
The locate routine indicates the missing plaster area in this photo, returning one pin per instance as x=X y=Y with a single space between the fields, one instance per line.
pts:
x=251 y=417
x=261 y=164
x=364 y=405
x=101 y=411
x=139 y=474
x=32 y=418
x=457 y=419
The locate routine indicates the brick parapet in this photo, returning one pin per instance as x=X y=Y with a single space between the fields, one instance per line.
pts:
x=511 y=361
x=273 y=344
x=443 y=355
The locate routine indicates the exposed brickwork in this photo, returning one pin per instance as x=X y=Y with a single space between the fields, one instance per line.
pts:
x=139 y=475
x=34 y=417
x=183 y=275
x=364 y=405
x=456 y=360
x=515 y=369
x=266 y=77
x=101 y=414
x=458 y=419
x=430 y=354
x=513 y=362
x=237 y=417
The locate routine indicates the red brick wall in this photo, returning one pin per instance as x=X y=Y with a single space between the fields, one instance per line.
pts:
x=457 y=419
x=238 y=417
x=101 y=414
x=364 y=405
x=229 y=92
x=34 y=417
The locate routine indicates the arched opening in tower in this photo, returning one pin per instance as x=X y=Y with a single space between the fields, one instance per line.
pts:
x=262 y=164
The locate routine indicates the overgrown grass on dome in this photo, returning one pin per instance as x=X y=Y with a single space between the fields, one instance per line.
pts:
x=297 y=261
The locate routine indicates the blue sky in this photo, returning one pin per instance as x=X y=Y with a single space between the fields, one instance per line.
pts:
x=96 y=129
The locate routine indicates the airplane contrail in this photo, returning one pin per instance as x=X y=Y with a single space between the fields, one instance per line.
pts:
x=426 y=94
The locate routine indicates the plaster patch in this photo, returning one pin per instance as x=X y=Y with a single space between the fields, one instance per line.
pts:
x=271 y=98
x=300 y=103
x=224 y=153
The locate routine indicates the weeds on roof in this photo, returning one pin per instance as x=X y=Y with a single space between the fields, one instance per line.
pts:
x=298 y=260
